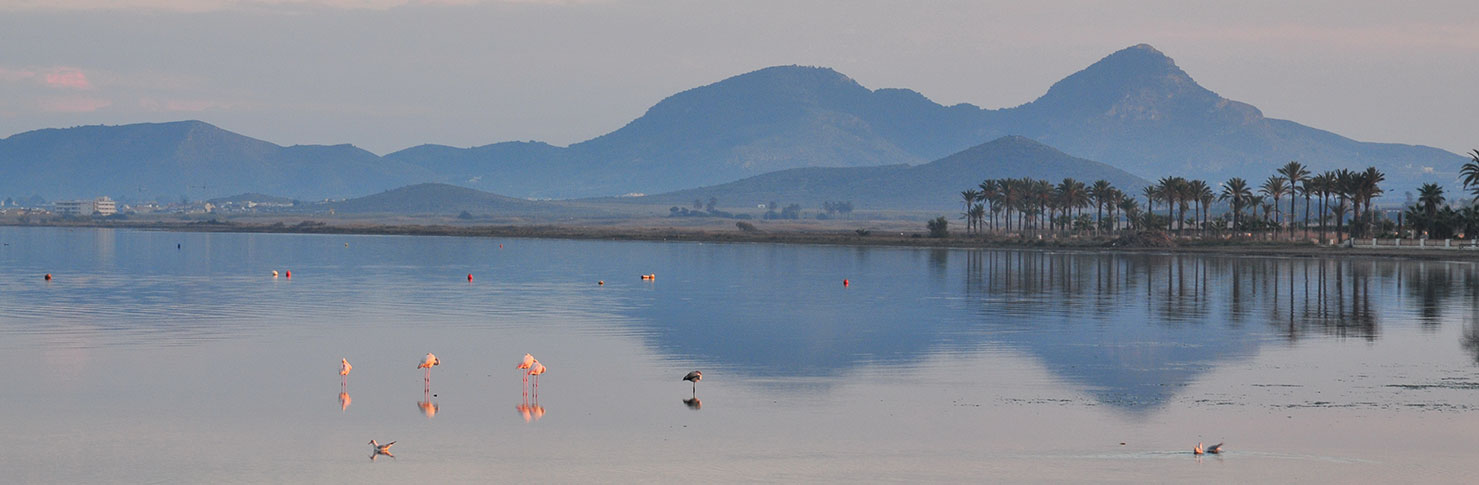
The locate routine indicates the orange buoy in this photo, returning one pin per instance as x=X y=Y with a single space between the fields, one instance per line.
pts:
x=601 y=283
x=469 y=277
x=844 y=282
x=48 y=276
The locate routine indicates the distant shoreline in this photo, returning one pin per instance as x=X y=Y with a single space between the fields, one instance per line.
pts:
x=636 y=231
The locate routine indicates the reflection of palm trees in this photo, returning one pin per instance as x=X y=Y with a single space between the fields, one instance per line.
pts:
x=1470 y=340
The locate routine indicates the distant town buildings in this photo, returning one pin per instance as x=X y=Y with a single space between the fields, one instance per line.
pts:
x=102 y=206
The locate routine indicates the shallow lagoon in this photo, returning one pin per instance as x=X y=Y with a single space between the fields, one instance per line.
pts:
x=144 y=361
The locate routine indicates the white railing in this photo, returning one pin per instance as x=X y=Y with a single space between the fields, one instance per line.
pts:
x=1414 y=243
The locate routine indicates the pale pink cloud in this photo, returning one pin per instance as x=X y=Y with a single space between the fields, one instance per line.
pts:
x=72 y=104
x=13 y=75
x=67 y=77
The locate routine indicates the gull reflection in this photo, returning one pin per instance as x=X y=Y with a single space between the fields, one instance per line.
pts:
x=344 y=401
x=379 y=449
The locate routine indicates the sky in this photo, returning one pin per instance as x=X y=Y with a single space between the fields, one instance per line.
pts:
x=385 y=75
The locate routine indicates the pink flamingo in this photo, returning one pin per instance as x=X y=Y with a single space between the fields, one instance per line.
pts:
x=344 y=369
x=427 y=363
x=525 y=365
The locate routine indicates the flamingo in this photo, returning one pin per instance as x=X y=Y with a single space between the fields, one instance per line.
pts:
x=381 y=449
x=525 y=365
x=694 y=377
x=1198 y=449
x=427 y=363
x=344 y=369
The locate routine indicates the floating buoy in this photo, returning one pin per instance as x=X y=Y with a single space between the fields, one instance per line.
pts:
x=274 y=273
x=844 y=282
x=649 y=276
x=48 y=276
x=346 y=245
x=601 y=283
x=469 y=277
x=178 y=246
x=500 y=246
x=289 y=274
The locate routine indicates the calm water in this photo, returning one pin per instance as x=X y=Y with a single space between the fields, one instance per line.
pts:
x=144 y=362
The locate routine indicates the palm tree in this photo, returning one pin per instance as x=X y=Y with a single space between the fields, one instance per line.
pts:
x=1295 y=173
x=1236 y=191
x=990 y=193
x=1344 y=188
x=1308 y=187
x=1324 y=184
x=1470 y=171
x=1151 y=194
x=1199 y=192
x=1430 y=196
x=1072 y=195
x=1131 y=208
x=1275 y=187
x=1368 y=188
x=969 y=198
x=1100 y=192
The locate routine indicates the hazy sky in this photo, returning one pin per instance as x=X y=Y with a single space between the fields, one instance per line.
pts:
x=390 y=74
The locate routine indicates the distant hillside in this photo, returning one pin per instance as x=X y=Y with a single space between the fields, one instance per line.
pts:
x=1134 y=109
x=187 y=159
x=1137 y=110
x=451 y=200
x=931 y=186
x=772 y=119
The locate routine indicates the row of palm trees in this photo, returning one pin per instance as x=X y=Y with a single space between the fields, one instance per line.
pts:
x=1026 y=205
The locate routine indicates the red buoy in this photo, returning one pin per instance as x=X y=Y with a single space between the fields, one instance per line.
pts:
x=48 y=276
x=288 y=274
x=601 y=283
x=469 y=277
x=844 y=282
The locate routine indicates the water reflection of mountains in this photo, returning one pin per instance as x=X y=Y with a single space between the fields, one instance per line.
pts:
x=1130 y=329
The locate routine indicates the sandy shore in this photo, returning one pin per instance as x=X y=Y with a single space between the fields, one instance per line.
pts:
x=880 y=233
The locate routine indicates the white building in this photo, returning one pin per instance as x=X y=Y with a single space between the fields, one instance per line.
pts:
x=102 y=206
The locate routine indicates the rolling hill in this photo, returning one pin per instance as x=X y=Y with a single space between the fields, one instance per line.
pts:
x=931 y=186
x=189 y=159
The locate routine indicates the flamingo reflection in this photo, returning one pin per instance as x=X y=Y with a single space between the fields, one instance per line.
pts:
x=693 y=403
x=344 y=400
x=428 y=408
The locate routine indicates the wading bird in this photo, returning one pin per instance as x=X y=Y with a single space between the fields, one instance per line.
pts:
x=344 y=369
x=1215 y=449
x=1198 y=449
x=427 y=363
x=525 y=365
x=694 y=377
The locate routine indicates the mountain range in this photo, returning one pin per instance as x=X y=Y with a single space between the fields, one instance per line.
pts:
x=1134 y=109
